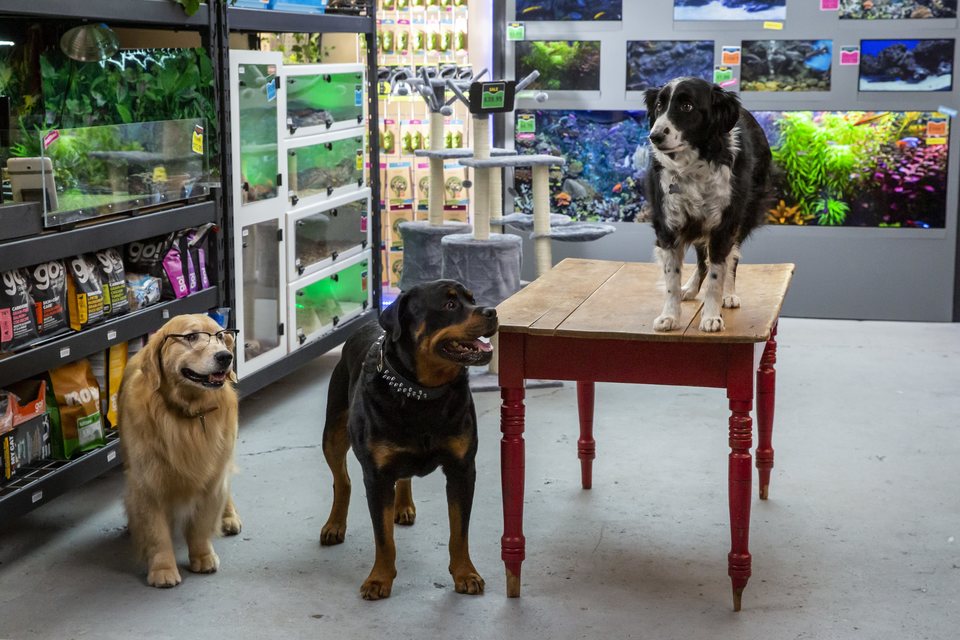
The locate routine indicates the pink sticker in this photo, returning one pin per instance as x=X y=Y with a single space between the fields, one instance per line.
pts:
x=849 y=55
x=363 y=223
x=50 y=138
x=6 y=326
x=728 y=83
x=829 y=5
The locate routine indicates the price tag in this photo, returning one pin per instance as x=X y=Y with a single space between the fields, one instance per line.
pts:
x=359 y=160
x=829 y=5
x=36 y=497
x=165 y=314
x=722 y=74
x=271 y=90
x=111 y=456
x=773 y=26
x=516 y=31
x=197 y=139
x=850 y=56
x=112 y=334
x=730 y=56
x=526 y=123
x=65 y=352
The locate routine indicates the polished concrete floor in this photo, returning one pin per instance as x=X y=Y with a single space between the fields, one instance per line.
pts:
x=860 y=539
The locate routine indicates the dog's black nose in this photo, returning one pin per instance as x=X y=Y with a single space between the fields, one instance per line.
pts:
x=657 y=138
x=224 y=358
x=489 y=312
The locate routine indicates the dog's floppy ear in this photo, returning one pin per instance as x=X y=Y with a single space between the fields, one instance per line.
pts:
x=650 y=97
x=725 y=108
x=392 y=318
x=150 y=360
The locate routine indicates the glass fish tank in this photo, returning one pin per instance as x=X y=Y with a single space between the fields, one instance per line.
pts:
x=654 y=63
x=730 y=9
x=258 y=110
x=323 y=97
x=569 y=65
x=329 y=299
x=897 y=9
x=328 y=232
x=90 y=172
x=906 y=65
x=786 y=65
x=570 y=10
x=320 y=166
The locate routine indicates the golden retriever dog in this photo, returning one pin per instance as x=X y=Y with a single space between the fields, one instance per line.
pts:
x=178 y=427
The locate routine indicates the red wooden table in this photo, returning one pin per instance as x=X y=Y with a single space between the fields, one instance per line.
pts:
x=592 y=320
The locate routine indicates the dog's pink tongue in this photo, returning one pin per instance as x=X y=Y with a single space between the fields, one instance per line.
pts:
x=482 y=345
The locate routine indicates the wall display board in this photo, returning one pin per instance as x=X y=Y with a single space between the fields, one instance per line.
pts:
x=858 y=109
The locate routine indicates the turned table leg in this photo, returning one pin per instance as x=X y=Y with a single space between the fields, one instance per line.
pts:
x=766 y=400
x=586 y=445
x=740 y=472
x=512 y=544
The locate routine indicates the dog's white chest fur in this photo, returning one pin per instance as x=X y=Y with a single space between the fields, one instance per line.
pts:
x=695 y=192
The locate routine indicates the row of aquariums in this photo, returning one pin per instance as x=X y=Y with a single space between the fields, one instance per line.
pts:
x=850 y=168
x=733 y=10
x=765 y=65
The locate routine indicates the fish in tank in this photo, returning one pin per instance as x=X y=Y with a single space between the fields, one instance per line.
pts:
x=906 y=65
x=324 y=99
x=569 y=65
x=570 y=10
x=729 y=9
x=897 y=9
x=785 y=65
x=606 y=154
x=319 y=169
x=858 y=168
x=653 y=63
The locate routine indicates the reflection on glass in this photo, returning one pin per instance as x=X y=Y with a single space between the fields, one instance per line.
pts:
x=330 y=301
x=323 y=100
x=259 y=160
x=329 y=233
x=320 y=168
x=261 y=288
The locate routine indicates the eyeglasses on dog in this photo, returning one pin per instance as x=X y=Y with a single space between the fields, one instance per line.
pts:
x=200 y=339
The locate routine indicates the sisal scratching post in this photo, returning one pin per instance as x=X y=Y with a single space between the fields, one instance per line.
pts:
x=541 y=218
x=435 y=215
x=481 y=178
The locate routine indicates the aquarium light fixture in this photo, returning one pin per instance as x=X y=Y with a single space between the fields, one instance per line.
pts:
x=7 y=43
x=89 y=43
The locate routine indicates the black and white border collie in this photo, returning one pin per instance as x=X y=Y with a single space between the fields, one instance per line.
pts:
x=707 y=185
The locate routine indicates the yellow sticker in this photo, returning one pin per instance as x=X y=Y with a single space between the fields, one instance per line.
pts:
x=197 y=142
x=359 y=160
x=160 y=174
x=776 y=26
x=936 y=141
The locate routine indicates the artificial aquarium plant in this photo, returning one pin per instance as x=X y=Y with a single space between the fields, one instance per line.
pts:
x=563 y=64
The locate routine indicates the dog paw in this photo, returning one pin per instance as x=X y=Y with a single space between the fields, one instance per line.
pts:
x=405 y=516
x=207 y=563
x=164 y=578
x=731 y=301
x=333 y=533
x=231 y=526
x=711 y=324
x=665 y=323
x=376 y=588
x=688 y=293
x=470 y=583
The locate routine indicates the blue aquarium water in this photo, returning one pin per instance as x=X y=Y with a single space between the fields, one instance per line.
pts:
x=570 y=10
x=729 y=9
x=653 y=63
x=786 y=65
x=906 y=65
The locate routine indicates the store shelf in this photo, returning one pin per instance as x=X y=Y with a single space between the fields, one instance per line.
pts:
x=44 y=480
x=55 y=245
x=147 y=12
x=290 y=22
x=80 y=344
x=284 y=367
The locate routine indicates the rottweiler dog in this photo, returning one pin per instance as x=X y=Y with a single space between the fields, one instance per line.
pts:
x=400 y=397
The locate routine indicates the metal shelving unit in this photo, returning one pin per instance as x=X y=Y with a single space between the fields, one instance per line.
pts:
x=155 y=13
x=256 y=20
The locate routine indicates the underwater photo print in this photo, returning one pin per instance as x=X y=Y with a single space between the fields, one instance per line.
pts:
x=906 y=65
x=897 y=9
x=569 y=65
x=653 y=63
x=729 y=9
x=858 y=168
x=570 y=10
x=786 y=65
x=606 y=154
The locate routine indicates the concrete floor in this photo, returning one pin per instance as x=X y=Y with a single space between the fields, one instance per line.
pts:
x=858 y=540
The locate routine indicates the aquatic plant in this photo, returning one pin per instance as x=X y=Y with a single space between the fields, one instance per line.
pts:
x=563 y=64
x=784 y=214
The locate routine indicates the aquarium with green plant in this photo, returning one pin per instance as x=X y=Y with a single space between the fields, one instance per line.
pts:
x=324 y=166
x=321 y=306
x=572 y=65
x=329 y=233
x=324 y=97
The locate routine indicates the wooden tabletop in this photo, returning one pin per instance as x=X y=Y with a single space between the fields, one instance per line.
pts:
x=609 y=299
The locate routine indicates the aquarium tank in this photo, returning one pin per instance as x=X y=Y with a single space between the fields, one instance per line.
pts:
x=321 y=168
x=729 y=9
x=606 y=153
x=329 y=233
x=324 y=304
x=324 y=100
x=570 y=65
x=858 y=168
x=570 y=10
x=653 y=63
x=897 y=9
x=906 y=65
x=785 y=65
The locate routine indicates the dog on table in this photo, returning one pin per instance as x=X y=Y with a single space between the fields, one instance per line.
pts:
x=177 y=412
x=400 y=397
x=707 y=185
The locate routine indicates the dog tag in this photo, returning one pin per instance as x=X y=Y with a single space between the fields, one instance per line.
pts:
x=674 y=188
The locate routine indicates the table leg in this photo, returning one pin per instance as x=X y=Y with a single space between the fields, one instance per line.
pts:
x=512 y=544
x=766 y=395
x=740 y=473
x=586 y=445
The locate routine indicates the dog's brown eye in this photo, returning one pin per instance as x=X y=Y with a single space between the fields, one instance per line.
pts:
x=660 y=106
x=686 y=107
x=451 y=305
x=192 y=337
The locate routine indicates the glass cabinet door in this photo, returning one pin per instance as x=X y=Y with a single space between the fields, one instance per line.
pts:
x=323 y=98
x=323 y=166
x=321 y=305
x=261 y=289
x=259 y=154
x=328 y=233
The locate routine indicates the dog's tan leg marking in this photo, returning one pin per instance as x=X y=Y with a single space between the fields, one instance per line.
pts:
x=380 y=581
x=150 y=529
x=405 y=512
x=230 y=523
x=336 y=444
x=201 y=527
x=465 y=576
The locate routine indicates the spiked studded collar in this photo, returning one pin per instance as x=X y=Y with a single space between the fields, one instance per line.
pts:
x=400 y=384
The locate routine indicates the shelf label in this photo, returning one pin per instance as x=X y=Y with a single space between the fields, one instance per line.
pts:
x=730 y=56
x=36 y=497
x=516 y=31
x=111 y=456
x=850 y=56
x=197 y=143
x=773 y=26
x=829 y=5
x=65 y=352
x=112 y=334
x=165 y=314
x=722 y=74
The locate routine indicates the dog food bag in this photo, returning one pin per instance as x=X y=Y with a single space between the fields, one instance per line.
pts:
x=18 y=326
x=48 y=289
x=116 y=363
x=84 y=292
x=79 y=423
x=198 y=243
x=7 y=402
x=160 y=257
x=142 y=290
x=113 y=280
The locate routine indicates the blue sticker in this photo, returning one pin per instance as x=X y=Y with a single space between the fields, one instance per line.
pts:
x=271 y=91
x=358 y=96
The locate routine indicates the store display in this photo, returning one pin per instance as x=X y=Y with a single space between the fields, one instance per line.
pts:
x=574 y=10
x=18 y=324
x=729 y=9
x=321 y=98
x=257 y=133
x=84 y=292
x=75 y=412
x=321 y=166
x=786 y=65
x=327 y=232
x=897 y=9
x=653 y=63
x=906 y=65
x=323 y=302
x=570 y=65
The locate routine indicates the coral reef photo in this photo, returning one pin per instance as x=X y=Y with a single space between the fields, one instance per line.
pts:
x=786 y=65
x=570 y=10
x=606 y=154
x=653 y=63
x=906 y=65
x=858 y=168
x=897 y=9
x=729 y=9
x=572 y=65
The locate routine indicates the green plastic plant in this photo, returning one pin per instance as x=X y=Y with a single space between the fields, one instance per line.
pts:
x=560 y=61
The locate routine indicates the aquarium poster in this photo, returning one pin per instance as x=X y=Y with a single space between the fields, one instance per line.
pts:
x=906 y=65
x=729 y=10
x=606 y=153
x=786 y=65
x=653 y=63
x=570 y=10
x=858 y=168
x=564 y=65
x=897 y=9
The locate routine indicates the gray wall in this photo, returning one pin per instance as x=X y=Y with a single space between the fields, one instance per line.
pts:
x=858 y=273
